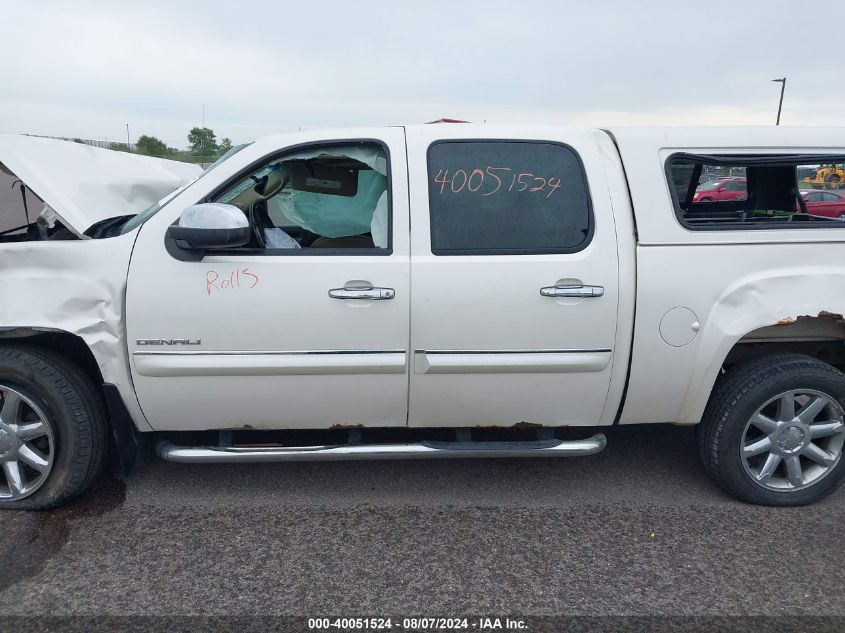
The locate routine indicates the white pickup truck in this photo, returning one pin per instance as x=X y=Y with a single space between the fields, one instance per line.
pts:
x=450 y=290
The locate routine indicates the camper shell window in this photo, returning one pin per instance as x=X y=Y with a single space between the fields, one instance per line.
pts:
x=731 y=192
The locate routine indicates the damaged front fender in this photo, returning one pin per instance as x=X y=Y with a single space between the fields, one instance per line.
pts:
x=76 y=287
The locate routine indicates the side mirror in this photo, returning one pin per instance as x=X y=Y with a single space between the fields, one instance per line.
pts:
x=210 y=225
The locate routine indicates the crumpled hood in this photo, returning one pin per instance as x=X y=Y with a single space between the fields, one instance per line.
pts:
x=85 y=184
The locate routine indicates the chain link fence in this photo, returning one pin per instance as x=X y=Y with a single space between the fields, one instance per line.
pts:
x=185 y=156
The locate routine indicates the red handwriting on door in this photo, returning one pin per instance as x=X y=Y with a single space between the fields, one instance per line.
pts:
x=236 y=278
x=490 y=180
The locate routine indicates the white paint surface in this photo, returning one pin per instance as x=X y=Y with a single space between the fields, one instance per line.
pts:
x=85 y=184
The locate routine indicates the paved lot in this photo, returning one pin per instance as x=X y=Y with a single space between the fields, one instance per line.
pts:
x=638 y=529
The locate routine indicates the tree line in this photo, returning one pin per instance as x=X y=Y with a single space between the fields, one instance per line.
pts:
x=202 y=146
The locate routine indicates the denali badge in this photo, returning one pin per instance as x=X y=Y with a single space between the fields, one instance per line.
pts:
x=169 y=341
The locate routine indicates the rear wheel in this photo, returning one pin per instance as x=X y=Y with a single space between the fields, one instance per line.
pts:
x=52 y=429
x=833 y=182
x=774 y=430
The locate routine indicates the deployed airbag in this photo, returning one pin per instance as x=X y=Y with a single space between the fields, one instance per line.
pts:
x=339 y=216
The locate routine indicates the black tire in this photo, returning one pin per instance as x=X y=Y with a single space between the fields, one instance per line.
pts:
x=833 y=182
x=736 y=397
x=75 y=413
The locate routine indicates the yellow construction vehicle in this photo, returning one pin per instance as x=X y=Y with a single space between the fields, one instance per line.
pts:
x=827 y=176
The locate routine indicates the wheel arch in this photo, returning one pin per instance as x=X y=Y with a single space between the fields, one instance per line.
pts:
x=68 y=345
x=820 y=336
x=795 y=306
x=126 y=441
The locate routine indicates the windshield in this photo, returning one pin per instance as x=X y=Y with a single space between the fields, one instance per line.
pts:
x=150 y=211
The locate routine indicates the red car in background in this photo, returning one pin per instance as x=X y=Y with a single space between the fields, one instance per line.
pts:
x=728 y=188
x=828 y=204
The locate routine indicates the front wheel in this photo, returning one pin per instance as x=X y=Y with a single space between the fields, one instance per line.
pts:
x=774 y=430
x=833 y=182
x=52 y=429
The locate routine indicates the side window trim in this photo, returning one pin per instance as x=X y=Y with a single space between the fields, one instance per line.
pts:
x=309 y=252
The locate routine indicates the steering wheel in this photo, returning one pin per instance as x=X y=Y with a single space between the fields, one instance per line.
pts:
x=266 y=187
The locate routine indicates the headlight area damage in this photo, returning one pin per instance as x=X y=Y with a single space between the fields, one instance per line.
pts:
x=67 y=287
x=61 y=190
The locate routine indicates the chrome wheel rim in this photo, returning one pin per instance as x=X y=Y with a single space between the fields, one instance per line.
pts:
x=794 y=440
x=27 y=446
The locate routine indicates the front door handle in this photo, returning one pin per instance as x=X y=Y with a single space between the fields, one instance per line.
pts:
x=572 y=291
x=370 y=294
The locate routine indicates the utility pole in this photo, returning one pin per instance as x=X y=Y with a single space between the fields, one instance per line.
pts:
x=202 y=150
x=782 y=82
x=128 y=143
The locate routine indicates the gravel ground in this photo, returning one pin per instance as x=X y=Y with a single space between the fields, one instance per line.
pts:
x=638 y=529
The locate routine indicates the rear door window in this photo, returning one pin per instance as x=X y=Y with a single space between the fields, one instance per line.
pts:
x=507 y=197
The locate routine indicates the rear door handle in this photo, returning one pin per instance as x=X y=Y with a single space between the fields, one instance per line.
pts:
x=371 y=294
x=572 y=291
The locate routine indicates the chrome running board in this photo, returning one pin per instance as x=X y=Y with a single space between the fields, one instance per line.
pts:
x=344 y=452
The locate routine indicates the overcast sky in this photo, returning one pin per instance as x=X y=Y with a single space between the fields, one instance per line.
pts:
x=86 y=68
